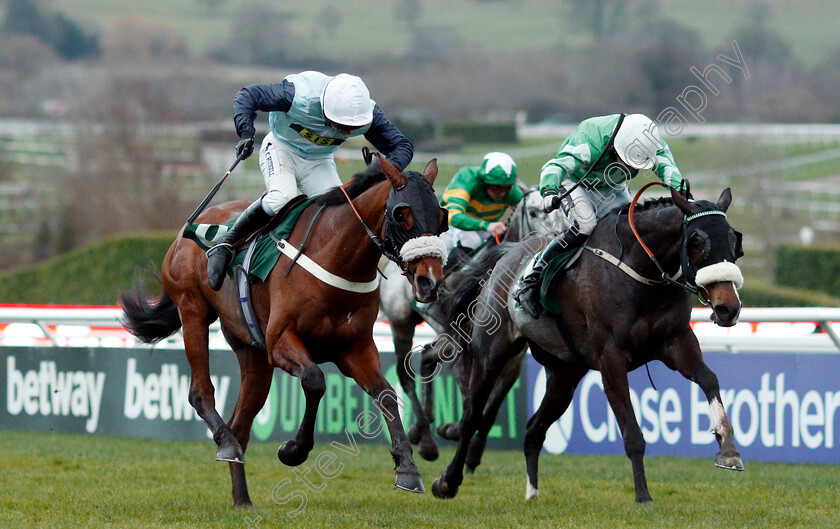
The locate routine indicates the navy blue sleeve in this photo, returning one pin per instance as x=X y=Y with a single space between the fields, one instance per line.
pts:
x=388 y=140
x=265 y=97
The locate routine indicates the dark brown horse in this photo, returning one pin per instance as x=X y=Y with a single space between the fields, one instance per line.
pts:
x=610 y=322
x=395 y=296
x=305 y=321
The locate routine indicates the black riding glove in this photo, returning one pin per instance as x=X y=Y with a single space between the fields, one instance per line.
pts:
x=245 y=147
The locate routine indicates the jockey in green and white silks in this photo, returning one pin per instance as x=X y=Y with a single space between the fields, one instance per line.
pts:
x=635 y=146
x=479 y=199
x=310 y=115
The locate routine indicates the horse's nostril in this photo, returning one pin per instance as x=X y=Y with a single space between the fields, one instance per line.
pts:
x=424 y=283
x=725 y=312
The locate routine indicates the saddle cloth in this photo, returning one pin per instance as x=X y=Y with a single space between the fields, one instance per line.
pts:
x=265 y=254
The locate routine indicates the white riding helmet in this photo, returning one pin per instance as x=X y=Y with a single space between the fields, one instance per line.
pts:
x=346 y=101
x=637 y=141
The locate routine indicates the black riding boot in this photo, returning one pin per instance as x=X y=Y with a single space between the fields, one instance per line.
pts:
x=528 y=293
x=220 y=255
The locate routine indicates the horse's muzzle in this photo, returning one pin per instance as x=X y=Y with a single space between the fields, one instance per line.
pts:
x=425 y=289
x=726 y=314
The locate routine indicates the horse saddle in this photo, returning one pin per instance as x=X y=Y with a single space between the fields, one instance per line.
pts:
x=256 y=258
x=553 y=273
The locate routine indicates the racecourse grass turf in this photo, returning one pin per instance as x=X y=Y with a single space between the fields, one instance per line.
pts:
x=60 y=480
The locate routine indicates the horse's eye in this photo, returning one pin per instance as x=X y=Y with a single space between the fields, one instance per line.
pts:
x=399 y=215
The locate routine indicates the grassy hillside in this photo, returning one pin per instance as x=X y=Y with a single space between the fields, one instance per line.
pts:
x=88 y=276
x=486 y=27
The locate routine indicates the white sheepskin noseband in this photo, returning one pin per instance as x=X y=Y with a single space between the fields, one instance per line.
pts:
x=425 y=246
x=723 y=271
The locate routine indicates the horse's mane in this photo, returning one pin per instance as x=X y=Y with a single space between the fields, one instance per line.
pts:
x=361 y=182
x=653 y=203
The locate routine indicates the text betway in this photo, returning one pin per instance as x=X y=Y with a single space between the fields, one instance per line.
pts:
x=772 y=414
x=50 y=392
x=165 y=395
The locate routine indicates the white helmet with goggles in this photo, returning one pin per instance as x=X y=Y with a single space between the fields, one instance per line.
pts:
x=346 y=101
x=637 y=141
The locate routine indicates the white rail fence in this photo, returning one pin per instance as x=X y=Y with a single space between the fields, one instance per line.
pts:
x=807 y=330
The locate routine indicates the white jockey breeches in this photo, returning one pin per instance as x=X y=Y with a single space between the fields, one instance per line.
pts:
x=285 y=171
x=588 y=206
x=468 y=239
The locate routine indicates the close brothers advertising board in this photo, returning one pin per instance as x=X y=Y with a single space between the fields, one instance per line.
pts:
x=783 y=407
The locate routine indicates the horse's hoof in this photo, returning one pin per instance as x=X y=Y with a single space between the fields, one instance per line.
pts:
x=441 y=489
x=730 y=461
x=290 y=455
x=450 y=432
x=409 y=482
x=231 y=452
x=413 y=434
x=428 y=450
x=645 y=501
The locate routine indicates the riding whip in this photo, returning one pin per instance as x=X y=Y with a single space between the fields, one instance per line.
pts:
x=212 y=193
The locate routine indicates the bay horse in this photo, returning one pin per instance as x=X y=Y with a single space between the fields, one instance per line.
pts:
x=396 y=304
x=610 y=321
x=305 y=321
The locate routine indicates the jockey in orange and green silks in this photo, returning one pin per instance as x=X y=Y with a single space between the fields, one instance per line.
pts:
x=479 y=199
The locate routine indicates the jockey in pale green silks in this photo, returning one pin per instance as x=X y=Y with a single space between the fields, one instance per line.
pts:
x=479 y=199
x=596 y=161
x=310 y=115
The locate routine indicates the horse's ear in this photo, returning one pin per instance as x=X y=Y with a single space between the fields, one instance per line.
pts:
x=393 y=174
x=681 y=202
x=431 y=171
x=725 y=199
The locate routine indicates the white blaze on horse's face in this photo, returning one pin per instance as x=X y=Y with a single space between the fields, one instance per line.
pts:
x=721 y=281
x=426 y=256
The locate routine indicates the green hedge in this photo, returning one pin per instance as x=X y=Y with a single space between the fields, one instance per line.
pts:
x=96 y=274
x=475 y=132
x=89 y=276
x=808 y=268
x=758 y=295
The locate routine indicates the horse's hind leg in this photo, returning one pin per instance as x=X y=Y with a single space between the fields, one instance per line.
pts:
x=617 y=388
x=420 y=432
x=362 y=365
x=560 y=387
x=685 y=357
x=255 y=373
x=195 y=319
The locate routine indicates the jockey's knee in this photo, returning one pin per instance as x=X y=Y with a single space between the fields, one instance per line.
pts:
x=583 y=226
x=274 y=200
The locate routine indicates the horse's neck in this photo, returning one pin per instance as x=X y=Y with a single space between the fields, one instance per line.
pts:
x=346 y=232
x=661 y=231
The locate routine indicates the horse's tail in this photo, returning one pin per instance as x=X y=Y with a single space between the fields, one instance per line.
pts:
x=464 y=285
x=149 y=320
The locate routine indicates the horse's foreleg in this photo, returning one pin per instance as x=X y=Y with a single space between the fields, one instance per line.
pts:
x=559 y=389
x=505 y=382
x=685 y=356
x=363 y=367
x=617 y=389
x=481 y=384
x=419 y=433
x=289 y=354
x=201 y=396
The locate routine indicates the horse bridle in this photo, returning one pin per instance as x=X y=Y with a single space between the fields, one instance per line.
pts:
x=700 y=291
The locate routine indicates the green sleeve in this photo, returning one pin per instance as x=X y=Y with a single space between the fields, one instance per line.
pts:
x=666 y=168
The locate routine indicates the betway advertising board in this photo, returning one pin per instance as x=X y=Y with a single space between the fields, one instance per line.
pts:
x=783 y=407
x=145 y=393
